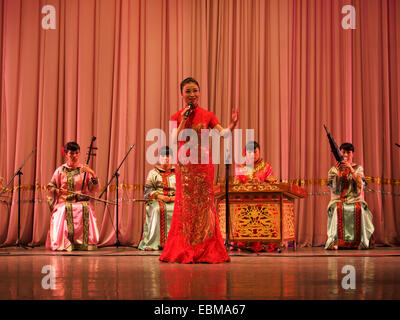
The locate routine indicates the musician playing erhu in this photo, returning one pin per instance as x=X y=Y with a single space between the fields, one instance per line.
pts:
x=349 y=219
x=73 y=221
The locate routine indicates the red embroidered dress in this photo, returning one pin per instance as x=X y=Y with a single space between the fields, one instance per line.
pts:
x=194 y=235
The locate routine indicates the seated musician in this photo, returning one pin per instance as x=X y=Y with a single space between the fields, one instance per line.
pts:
x=73 y=222
x=259 y=173
x=349 y=219
x=160 y=195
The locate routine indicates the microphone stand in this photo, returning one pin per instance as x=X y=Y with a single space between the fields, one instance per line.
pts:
x=228 y=243
x=116 y=175
x=19 y=174
x=227 y=210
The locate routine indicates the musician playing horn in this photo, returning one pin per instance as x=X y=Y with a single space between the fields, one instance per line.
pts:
x=73 y=222
x=349 y=219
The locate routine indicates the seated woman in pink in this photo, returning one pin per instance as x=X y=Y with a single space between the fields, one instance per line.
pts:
x=73 y=222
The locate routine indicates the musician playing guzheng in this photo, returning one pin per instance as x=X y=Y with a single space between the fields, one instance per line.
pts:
x=254 y=170
x=259 y=171
x=349 y=219
x=73 y=221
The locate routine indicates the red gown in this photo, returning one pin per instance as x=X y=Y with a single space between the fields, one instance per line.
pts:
x=194 y=235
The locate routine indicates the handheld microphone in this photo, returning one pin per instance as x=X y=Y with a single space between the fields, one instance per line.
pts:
x=187 y=113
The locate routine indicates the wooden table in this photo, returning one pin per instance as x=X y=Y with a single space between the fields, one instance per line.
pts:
x=260 y=212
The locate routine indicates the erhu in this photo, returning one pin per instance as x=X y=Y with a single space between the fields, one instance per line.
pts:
x=89 y=154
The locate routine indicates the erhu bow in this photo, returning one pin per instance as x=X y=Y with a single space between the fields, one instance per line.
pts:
x=85 y=195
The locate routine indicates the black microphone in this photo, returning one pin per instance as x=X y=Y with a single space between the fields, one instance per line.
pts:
x=397 y=145
x=187 y=113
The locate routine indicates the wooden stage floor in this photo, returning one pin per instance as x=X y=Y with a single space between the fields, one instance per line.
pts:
x=127 y=273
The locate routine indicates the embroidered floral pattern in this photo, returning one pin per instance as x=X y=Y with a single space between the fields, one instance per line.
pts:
x=198 y=218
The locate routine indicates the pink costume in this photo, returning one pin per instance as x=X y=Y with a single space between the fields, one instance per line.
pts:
x=72 y=222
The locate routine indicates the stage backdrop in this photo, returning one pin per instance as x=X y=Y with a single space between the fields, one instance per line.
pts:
x=111 y=69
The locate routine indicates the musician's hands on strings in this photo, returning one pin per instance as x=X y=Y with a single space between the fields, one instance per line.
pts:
x=59 y=192
x=85 y=168
x=166 y=199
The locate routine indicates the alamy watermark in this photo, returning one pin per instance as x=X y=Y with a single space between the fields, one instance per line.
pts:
x=49 y=280
x=195 y=148
x=49 y=20
x=349 y=20
x=349 y=280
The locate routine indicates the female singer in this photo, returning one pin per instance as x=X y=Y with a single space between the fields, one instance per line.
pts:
x=194 y=235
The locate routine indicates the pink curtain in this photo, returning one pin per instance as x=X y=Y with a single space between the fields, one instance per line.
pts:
x=112 y=69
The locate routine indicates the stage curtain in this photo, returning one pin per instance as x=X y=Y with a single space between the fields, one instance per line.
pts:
x=112 y=69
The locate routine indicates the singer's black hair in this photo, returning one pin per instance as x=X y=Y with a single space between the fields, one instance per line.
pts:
x=347 y=146
x=189 y=80
x=72 y=146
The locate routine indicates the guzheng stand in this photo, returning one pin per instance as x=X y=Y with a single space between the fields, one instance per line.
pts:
x=260 y=212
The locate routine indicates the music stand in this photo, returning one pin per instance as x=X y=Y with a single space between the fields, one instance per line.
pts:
x=116 y=175
x=19 y=174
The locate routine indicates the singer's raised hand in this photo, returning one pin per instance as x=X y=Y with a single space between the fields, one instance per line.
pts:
x=235 y=118
x=235 y=115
